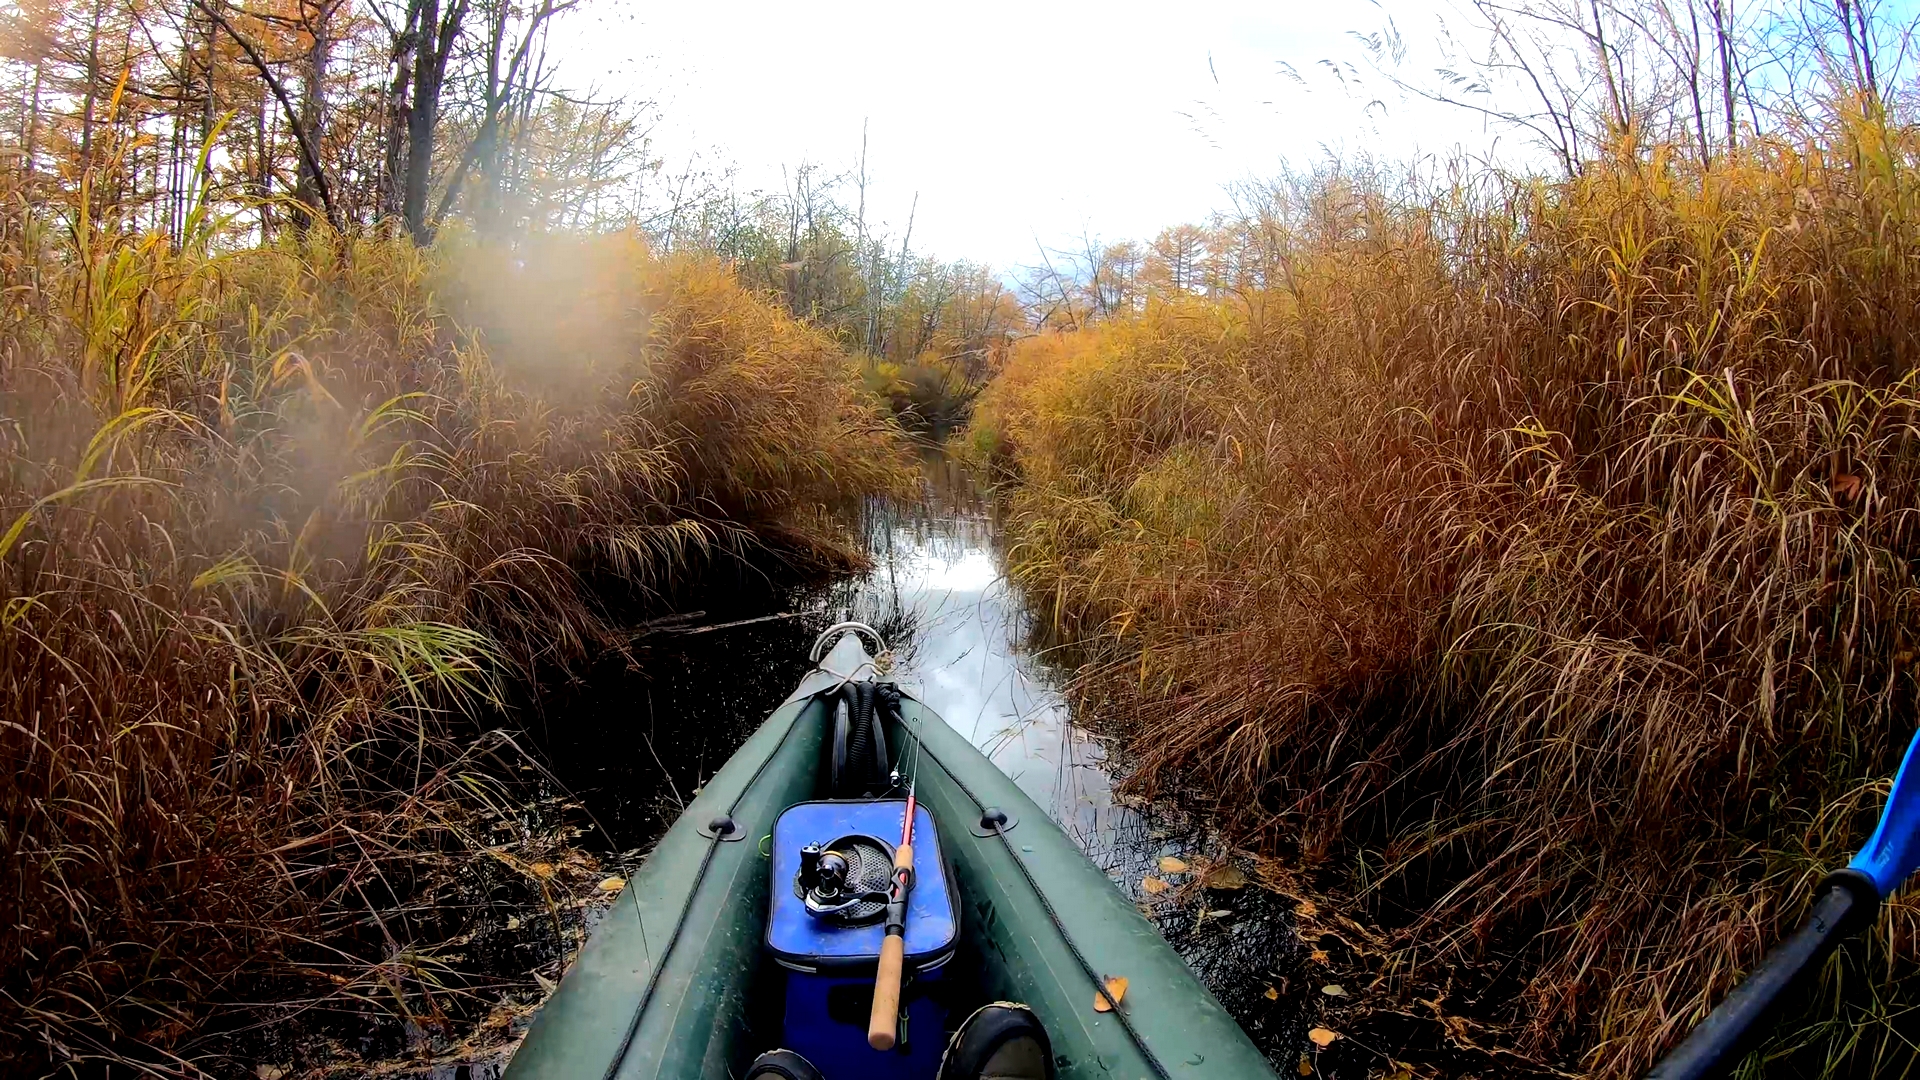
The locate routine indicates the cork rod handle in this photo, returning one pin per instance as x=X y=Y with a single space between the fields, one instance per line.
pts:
x=884 y=1022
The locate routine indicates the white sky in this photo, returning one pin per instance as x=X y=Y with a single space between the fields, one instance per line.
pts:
x=1015 y=122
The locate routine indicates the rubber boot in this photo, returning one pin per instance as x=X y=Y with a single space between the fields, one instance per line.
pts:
x=782 y=1065
x=1001 y=1041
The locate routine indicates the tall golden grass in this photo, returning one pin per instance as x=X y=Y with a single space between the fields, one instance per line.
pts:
x=1542 y=552
x=273 y=518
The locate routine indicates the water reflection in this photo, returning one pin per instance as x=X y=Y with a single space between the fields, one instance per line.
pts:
x=939 y=592
x=959 y=630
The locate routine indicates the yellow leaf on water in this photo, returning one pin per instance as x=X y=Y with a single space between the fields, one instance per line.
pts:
x=613 y=885
x=1226 y=876
x=1153 y=886
x=1116 y=992
x=1306 y=1067
x=1272 y=994
x=1171 y=865
x=1322 y=1037
x=541 y=869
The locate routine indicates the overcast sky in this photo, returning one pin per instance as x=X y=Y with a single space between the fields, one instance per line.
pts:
x=1017 y=122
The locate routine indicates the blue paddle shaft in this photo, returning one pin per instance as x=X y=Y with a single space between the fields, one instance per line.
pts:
x=1848 y=901
x=1725 y=1036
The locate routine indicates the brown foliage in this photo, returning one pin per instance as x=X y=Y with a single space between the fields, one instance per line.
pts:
x=273 y=519
x=1551 y=546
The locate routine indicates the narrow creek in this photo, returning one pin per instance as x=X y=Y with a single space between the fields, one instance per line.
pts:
x=637 y=740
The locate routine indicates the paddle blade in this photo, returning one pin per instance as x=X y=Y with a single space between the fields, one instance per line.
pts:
x=1893 y=852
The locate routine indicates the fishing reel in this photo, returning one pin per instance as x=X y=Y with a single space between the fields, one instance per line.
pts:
x=846 y=881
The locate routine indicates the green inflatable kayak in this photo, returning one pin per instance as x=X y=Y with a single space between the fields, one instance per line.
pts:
x=760 y=920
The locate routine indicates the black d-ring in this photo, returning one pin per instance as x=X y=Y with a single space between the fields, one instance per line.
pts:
x=724 y=829
x=993 y=821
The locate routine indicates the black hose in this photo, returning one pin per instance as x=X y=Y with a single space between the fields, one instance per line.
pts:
x=873 y=777
x=859 y=737
x=1848 y=901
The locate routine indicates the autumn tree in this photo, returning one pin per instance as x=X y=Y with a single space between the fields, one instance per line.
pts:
x=358 y=112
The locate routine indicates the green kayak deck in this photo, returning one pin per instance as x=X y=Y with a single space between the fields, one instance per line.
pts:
x=673 y=982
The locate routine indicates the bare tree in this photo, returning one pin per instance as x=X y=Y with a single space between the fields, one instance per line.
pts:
x=423 y=44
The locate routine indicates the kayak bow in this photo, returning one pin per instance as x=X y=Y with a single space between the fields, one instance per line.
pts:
x=756 y=922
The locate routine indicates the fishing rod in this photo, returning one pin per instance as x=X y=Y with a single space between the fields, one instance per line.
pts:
x=883 y=1023
x=1848 y=900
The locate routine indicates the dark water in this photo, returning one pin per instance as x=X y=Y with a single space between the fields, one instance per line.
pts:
x=636 y=737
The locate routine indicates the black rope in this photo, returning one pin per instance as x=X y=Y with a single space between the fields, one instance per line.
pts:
x=699 y=877
x=1126 y=1025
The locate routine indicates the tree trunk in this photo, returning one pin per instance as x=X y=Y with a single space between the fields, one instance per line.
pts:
x=313 y=108
x=93 y=85
x=429 y=74
x=393 y=179
x=263 y=168
x=31 y=139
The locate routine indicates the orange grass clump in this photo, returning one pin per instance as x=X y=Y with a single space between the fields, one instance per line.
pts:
x=272 y=518
x=1547 y=550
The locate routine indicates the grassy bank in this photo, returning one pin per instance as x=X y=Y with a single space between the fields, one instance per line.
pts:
x=275 y=520
x=1537 y=558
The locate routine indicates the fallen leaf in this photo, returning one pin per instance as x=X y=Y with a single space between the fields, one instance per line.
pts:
x=1319 y=956
x=1219 y=913
x=513 y=922
x=547 y=986
x=1226 y=876
x=541 y=870
x=1272 y=994
x=1306 y=1067
x=1323 y=1037
x=1306 y=909
x=1401 y=1070
x=613 y=884
x=1334 y=990
x=269 y=1072
x=1153 y=886
x=1171 y=865
x=1116 y=992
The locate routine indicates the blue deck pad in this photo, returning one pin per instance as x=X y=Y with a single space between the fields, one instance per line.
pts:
x=798 y=937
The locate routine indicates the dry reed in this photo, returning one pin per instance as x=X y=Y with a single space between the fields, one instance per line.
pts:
x=1544 y=553
x=273 y=520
